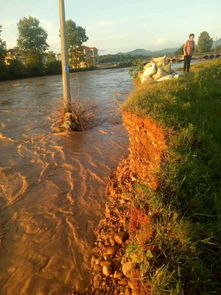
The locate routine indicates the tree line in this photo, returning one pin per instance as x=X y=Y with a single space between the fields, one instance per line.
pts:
x=118 y=58
x=31 y=56
x=205 y=44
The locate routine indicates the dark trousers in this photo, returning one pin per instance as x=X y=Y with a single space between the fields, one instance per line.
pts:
x=187 y=61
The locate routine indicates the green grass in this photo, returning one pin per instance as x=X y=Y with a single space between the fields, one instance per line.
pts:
x=187 y=205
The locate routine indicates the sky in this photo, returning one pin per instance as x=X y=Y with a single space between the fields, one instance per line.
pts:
x=118 y=25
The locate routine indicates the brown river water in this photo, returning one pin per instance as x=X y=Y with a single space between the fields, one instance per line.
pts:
x=52 y=185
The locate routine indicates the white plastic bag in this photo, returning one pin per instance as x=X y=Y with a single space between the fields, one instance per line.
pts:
x=150 y=71
x=179 y=73
x=160 y=74
x=144 y=79
x=159 y=59
x=168 y=77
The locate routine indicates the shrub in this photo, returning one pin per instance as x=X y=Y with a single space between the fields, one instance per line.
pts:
x=53 y=67
x=137 y=66
x=16 y=69
x=3 y=71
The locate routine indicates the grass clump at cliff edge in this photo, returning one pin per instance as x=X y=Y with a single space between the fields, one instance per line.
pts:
x=187 y=203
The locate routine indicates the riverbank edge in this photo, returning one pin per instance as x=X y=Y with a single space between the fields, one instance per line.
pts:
x=71 y=71
x=160 y=234
x=113 y=272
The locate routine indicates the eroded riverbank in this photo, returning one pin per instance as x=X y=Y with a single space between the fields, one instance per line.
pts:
x=128 y=220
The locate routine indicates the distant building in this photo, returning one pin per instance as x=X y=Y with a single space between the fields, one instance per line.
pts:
x=15 y=53
x=12 y=54
x=91 y=52
x=91 y=55
x=82 y=57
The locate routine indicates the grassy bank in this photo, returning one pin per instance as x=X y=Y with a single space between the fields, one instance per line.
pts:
x=186 y=207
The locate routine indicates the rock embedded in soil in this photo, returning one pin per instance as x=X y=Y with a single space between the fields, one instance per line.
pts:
x=105 y=263
x=97 y=280
x=111 y=250
x=97 y=268
x=121 y=237
x=107 y=270
x=112 y=242
x=123 y=282
x=127 y=269
x=117 y=275
x=125 y=197
x=95 y=260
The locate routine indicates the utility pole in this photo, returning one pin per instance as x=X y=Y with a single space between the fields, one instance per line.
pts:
x=64 y=59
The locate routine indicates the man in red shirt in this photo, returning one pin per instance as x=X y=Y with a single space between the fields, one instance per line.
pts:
x=188 y=51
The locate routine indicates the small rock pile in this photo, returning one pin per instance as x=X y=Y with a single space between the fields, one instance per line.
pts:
x=113 y=273
x=109 y=272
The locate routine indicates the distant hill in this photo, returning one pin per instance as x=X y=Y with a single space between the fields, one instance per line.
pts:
x=135 y=52
x=165 y=51
x=145 y=52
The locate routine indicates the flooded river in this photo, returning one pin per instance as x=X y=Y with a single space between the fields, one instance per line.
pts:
x=52 y=185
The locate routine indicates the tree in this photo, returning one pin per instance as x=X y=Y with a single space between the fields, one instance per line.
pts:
x=50 y=56
x=32 y=38
x=76 y=57
x=2 y=47
x=53 y=66
x=205 y=43
x=32 y=43
x=137 y=66
x=34 y=65
x=3 y=69
x=16 y=69
x=76 y=36
x=179 y=51
x=218 y=48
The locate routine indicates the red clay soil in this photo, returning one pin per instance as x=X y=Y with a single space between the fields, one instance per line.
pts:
x=147 y=143
x=113 y=272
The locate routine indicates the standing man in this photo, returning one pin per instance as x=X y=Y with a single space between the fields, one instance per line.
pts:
x=188 y=51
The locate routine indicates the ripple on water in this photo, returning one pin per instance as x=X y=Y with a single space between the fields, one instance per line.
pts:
x=52 y=186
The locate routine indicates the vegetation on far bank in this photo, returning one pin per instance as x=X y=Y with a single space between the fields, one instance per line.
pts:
x=31 y=56
x=186 y=207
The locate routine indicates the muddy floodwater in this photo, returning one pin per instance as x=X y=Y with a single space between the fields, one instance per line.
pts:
x=52 y=185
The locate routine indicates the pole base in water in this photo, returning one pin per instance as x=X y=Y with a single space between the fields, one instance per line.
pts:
x=68 y=122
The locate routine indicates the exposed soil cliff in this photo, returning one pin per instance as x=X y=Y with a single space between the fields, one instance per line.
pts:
x=114 y=268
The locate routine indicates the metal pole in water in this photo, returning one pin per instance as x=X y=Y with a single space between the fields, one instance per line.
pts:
x=64 y=60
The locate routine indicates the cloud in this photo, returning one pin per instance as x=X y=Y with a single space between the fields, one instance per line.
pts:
x=52 y=28
x=107 y=23
x=161 y=41
x=9 y=32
